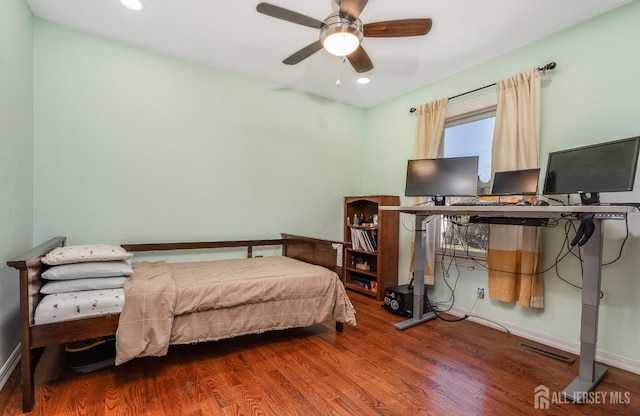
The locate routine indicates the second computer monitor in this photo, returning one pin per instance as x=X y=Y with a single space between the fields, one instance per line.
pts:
x=516 y=182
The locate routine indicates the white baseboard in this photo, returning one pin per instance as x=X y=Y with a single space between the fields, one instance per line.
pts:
x=573 y=347
x=9 y=366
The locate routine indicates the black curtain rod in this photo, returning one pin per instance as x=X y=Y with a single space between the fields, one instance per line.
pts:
x=548 y=67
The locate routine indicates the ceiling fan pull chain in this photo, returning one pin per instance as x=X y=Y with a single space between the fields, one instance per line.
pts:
x=344 y=60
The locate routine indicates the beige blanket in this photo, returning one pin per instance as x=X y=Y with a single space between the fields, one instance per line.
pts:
x=179 y=303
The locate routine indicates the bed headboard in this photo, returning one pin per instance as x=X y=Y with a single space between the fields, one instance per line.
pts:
x=324 y=253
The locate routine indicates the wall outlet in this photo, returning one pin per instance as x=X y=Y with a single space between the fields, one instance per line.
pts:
x=480 y=293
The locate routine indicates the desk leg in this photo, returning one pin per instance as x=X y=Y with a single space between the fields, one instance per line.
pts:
x=418 y=280
x=590 y=373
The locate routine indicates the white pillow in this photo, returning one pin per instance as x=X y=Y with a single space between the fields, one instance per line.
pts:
x=89 y=269
x=85 y=253
x=77 y=285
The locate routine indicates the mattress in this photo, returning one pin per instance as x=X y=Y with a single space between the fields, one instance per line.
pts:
x=77 y=305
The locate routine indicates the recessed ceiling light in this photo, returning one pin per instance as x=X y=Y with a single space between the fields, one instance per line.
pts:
x=132 y=4
x=363 y=80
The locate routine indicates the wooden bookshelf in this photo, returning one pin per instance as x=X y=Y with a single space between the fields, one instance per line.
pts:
x=373 y=240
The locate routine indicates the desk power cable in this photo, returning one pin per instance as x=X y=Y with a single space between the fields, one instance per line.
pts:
x=437 y=312
x=468 y=315
x=624 y=241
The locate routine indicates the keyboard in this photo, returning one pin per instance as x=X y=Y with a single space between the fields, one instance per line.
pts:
x=535 y=222
x=479 y=203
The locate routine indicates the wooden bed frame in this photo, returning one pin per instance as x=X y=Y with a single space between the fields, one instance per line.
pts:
x=36 y=337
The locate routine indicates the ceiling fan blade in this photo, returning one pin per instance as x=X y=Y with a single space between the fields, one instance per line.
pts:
x=352 y=8
x=397 y=28
x=288 y=15
x=360 y=60
x=303 y=53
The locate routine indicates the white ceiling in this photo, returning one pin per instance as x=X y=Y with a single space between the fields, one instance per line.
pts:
x=233 y=36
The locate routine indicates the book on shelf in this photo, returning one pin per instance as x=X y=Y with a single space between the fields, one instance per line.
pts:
x=364 y=239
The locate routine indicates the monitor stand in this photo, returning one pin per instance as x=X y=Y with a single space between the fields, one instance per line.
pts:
x=592 y=198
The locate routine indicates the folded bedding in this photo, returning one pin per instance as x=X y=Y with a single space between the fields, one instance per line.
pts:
x=165 y=301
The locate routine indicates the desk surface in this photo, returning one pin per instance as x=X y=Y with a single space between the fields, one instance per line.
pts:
x=518 y=211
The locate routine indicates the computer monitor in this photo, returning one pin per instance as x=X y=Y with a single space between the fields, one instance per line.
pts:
x=442 y=177
x=589 y=170
x=516 y=182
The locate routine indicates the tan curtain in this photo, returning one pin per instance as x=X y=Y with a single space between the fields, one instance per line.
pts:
x=514 y=254
x=431 y=118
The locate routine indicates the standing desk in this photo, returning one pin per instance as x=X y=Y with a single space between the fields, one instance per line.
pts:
x=590 y=373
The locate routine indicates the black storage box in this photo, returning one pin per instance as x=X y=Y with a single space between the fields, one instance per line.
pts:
x=92 y=354
x=399 y=300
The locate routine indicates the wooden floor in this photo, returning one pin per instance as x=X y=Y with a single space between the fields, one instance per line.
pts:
x=437 y=368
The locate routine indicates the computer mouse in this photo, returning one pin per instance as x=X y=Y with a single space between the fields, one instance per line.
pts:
x=523 y=202
x=541 y=203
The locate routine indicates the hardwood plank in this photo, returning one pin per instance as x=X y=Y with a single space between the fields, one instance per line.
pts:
x=437 y=368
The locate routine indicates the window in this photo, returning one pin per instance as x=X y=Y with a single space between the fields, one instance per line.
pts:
x=472 y=139
x=468 y=134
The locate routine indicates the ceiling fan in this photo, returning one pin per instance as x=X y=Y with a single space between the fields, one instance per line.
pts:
x=341 y=32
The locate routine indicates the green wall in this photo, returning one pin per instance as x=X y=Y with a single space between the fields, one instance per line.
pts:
x=16 y=166
x=131 y=145
x=592 y=96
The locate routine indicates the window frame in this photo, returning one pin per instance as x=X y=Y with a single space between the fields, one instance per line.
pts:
x=457 y=115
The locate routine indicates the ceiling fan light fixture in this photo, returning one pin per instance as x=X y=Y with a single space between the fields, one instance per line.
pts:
x=340 y=36
x=341 y=43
